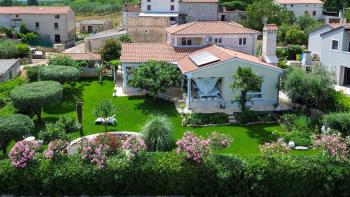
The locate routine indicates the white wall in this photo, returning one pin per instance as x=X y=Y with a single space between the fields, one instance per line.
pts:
x=315 y=40
x=300 y=9
x=160 y=5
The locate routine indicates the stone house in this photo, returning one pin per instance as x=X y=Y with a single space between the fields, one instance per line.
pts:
x=9 y=69
x=301 y=7
x=198 y=10
x=53 y=24
x=94 y=26
x=94 y=43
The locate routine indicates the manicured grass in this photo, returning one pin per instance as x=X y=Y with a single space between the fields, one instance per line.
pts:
x=133 y=112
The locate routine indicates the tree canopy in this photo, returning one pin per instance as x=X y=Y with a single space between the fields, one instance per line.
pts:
x=62 y=74
x=31 y=98
x=14 y=127
x=63 y=60
x=155 y=77
x=105 y=109
x=111 y=50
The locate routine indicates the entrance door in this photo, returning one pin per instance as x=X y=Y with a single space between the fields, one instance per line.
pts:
x=90 y=29
x=223 y=17
x=349 y=47
x=57 y=38
x=346 y=76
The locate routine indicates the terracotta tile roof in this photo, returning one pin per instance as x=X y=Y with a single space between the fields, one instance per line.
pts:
x=142 y=52
x=132 y=8
x=223 y=54
x=271 y=26
x=199 y=1
x=35 y=10
x=336 y=25
x=84 y=56
x=299 y=1
x=209 y=28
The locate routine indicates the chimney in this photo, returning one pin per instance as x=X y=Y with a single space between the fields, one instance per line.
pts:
x=269 y=44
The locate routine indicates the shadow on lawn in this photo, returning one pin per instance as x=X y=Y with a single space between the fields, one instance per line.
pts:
x=158 y=106
x=260 y=133
x=72 y=93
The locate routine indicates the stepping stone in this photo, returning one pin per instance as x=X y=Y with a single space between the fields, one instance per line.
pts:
x=301 y=148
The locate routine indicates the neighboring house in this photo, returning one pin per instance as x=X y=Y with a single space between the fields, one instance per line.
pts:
x=160 y=8
x=9 y=69
x=332 y=43
x=230 y=15
x=147 y=29
x=130 y=11
x=198 y=10
x=94 y=42
x=94 y=26
x=301 y=7
x=202 y=33
x=206 y=74
x=53 y=24
x=91 y=59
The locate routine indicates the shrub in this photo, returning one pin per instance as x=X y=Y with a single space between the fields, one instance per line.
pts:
x=338 y=121
x=32 y=72
x=53 y=131
x=195 y=148
x=8 y=49
x=69 y=124
x=134 y=144
x=300 y=137
x=157 y=134
x=94 y=153
x=63 y=60
x=198 y=119
x=246 y=116
x=23 y=50
x=113 y=142
x=342 y=102
x=23 y=152
x=219 y=141
x=62 y=74
x=277 y=147
x=56 y=149
x=33 y=97
x=14 y=127
x=334 y=145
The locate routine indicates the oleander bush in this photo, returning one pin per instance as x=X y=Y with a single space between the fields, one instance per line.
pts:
x=62 y=74
x=198 y=119
x=159 y=173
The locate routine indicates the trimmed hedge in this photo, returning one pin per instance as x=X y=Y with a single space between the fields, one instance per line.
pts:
x=167 y=174
x=58 y=73
x=198 y=119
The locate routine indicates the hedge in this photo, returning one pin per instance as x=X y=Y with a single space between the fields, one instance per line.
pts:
x=198 y=119
x=167 y=174
x=338 y=121
x=58 y=73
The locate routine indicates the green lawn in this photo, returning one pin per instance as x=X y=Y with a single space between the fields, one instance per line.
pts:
x=133 y=112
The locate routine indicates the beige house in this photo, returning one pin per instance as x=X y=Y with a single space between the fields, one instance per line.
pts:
x=53 y=24
x=94 y=26
x=207 y=74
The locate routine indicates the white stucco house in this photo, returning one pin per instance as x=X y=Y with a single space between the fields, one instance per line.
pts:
x=160 y=8
x=301 y=7
x=332 y=43
x=206 y=73
x=202 y=33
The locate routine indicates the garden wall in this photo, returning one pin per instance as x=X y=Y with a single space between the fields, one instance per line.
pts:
x=167 y=174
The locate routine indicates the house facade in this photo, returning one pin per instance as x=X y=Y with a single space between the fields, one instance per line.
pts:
x=160 y=8
x=206 y=74
x=53 y=24
x=301 y=7
x=94 y=26
x=332 y=44
x=198 y=10
x=202 y=33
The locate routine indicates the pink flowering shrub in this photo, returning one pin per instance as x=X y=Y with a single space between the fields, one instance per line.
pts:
x=219 y=141
x=333 y=145
x=94 y=153
x=56 y=149
x=278 y=147
x=195 y=148
x=23 y=152
x=134 y=144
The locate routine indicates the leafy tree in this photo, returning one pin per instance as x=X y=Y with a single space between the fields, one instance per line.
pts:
x=23 y=50
x=105 y=109
x=260 y=9
x=111 y=50
x=295 y=36
x=155 y=77
x=31 y=98
x=32 y=2
x=157 y=134
x=14 y=127
x=6 y=3
x=62 y=74
x=63 y=60
x=312 y=89
x=27 y=37
x=245 y=80
x=99 y=71
x=235 y=5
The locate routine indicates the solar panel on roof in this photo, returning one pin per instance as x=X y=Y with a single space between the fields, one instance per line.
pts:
x=203 y=58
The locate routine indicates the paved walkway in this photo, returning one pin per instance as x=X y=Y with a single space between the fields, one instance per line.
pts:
x=343 y=89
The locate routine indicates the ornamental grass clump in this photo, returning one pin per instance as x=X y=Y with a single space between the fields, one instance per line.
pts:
x=56 y=149
x=23 y=152
x=333 y=145
x=219 y=141
x=195 y=148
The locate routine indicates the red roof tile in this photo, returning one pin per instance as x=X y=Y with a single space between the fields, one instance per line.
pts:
x=35 y=10
x=210 y=28
x=200 y=1
x=271 y=26
x=84 y=56
x=132 y=8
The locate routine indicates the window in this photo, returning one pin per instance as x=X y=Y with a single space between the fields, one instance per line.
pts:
x=16 y=16
x=291 y=5
x=218 y=40
x=37 y=25
x=255 y=94
x=171 y=0
x=186 y=42
x=349 y=47
x=204 y=7
x=313 y=13
x=57 y=38
x=242 y=41
x=148 y=0
x=172 y=7
x=148 y=7
x=306 y=12
x=335 y=44
x=57 y=16
x=56 y=25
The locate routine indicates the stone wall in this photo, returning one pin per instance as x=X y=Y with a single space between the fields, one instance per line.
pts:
x=147 y=29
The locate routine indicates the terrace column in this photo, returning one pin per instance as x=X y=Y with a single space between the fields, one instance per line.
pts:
x=124 y=73
x=189 y=92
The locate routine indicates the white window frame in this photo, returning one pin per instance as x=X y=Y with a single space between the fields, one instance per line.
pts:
x=337 y=45
x=255 y=95
x=218 y=41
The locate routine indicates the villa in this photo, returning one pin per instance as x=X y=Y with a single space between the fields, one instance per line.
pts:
x=207 y=72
